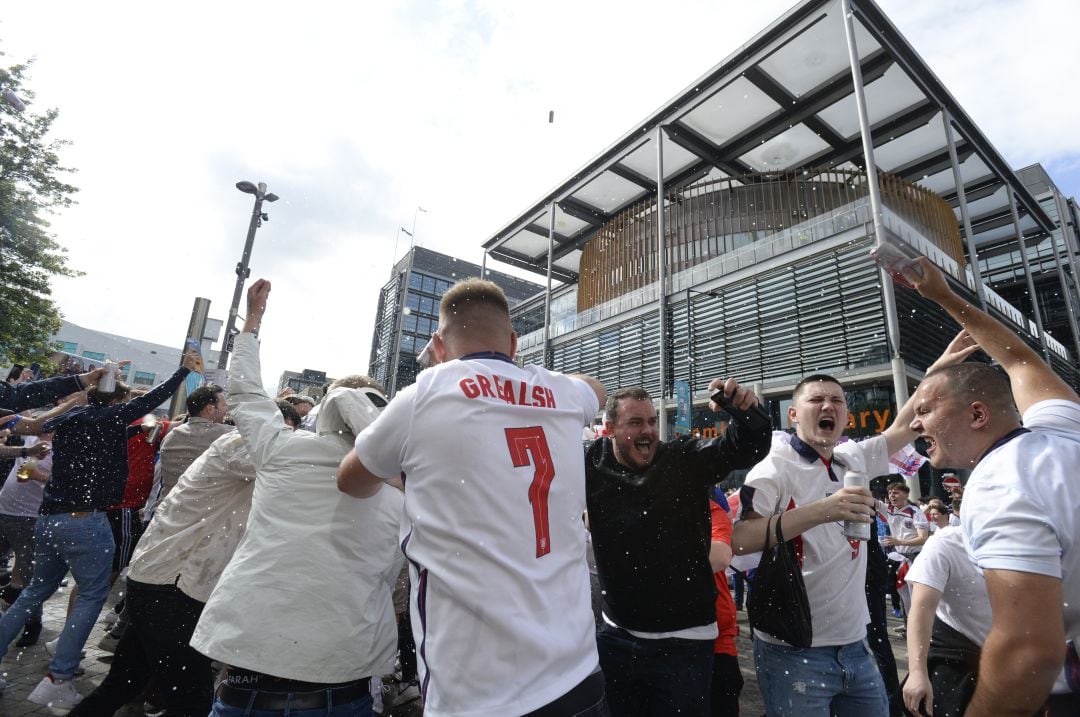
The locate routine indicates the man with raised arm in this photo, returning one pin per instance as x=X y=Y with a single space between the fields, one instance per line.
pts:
x=803 y=479
x=491 y=456
x=302 y=616
x=1020 y=504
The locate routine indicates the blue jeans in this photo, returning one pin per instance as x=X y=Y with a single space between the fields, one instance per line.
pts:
x=841 y=681
x=655 y=678
x=357 y=708
x=62 y=542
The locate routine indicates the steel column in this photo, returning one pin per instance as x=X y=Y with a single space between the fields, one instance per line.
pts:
x=892 y=321
x=661 y=283
x=1027 y=273
x=965 y=217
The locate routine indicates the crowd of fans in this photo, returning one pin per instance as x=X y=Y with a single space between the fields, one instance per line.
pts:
x=455 y=548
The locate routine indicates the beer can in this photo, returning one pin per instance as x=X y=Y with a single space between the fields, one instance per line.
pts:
x=852 y=528
x=107 y=384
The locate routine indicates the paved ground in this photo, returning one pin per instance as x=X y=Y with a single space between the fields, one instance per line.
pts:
x=24 y=668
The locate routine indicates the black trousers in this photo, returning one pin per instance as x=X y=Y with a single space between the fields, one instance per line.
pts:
x=156 y=646
x=727 y=684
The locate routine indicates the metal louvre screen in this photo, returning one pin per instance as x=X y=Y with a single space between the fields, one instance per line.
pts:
x=821 y=314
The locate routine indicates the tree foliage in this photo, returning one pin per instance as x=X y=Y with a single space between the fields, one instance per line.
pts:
x=32 y=186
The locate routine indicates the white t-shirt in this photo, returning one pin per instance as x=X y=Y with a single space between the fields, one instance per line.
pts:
x=905 y=524
x=834 y=568
x=1021 y=504
x=945 y=565
x=494 y=496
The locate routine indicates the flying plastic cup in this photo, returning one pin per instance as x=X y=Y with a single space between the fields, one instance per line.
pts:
x=895 y=258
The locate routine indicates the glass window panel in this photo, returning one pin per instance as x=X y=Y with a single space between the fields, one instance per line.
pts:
x=429 y=284
x=413 y=301
x=94 y=355
x=427 y=305
x=410 y=322
x=69 y=346
x=416 y=280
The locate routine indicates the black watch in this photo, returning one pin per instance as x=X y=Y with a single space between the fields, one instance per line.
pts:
x=23 y=452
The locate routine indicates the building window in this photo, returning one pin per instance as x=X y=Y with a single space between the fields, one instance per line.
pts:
x=416 y=280
x=69 y=347
x=143 y=378
x=413 y=301
x=93 y=355
x=441 y=286
x=427 y=305
x=429 y=284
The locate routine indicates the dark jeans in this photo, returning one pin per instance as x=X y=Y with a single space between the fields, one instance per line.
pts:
x=739 y=581
x=727 y=684
x=877 y=636
x=585 y=700
x=655 y=678
x=156 y=646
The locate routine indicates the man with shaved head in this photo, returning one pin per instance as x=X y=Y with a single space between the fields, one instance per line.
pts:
x=1020 y=436
x=490 y=453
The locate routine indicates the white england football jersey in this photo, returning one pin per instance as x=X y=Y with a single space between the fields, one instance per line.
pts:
x=1020 y=506
x=494 y=496
x=833 y=567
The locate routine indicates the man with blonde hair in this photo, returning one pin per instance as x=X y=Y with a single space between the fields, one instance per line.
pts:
x=490 y=453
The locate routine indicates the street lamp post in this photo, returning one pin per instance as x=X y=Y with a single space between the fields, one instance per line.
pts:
x=242 y=270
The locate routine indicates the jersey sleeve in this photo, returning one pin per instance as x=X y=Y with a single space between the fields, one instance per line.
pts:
x=1008 y=531
x=762 y=490
x=933 y=567
x=381 y=446
x=1054 y=415
x=587 y=398
x=920 y=520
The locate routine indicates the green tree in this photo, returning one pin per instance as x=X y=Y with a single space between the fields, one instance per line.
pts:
x=31 y=187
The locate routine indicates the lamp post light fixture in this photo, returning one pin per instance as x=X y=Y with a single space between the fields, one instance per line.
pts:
x=242 y=270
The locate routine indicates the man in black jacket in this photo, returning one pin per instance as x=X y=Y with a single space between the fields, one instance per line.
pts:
x=89 y=472
x=649 y=515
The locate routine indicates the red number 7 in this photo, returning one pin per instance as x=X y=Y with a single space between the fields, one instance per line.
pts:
x=522 y=442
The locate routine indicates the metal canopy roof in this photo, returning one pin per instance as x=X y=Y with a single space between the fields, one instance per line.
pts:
x=785 y=100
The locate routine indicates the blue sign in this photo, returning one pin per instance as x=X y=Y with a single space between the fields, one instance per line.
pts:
x=682 y=407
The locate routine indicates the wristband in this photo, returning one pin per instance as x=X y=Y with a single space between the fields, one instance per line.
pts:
x=22 y=453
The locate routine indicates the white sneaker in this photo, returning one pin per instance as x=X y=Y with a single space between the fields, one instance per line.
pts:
x=3 y=685
x=60 y=695
x=50 y=647
x=108 y=642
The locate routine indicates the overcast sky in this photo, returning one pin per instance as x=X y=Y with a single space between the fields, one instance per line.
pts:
x=356 y=113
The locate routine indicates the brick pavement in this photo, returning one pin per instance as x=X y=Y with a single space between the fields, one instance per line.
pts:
x=24 y=668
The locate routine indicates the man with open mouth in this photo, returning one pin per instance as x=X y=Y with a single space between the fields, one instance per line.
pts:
x=1020 y=436
x=649 y=515
x=802 y=477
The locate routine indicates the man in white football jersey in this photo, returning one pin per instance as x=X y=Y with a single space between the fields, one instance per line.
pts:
x=491 y=456
x=1020 y=504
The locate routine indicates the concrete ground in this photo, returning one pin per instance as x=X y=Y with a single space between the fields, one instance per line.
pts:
x=24 y=668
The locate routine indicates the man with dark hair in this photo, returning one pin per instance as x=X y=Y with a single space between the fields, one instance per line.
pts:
x=89 y=473
x=185 y=442
x=1020 y=437
x=186 y=547
x=802 y=479
x=490 y=453
x=651 y=531
x=908 y=531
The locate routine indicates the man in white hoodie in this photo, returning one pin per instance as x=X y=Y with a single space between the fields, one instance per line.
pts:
x=302 y=616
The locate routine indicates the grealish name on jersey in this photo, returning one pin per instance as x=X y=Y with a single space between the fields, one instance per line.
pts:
x=515 y=393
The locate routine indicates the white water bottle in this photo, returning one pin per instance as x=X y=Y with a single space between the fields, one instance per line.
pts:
x=852 y=528
x=107 y=383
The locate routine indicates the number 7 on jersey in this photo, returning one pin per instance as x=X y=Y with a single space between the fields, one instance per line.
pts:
x=522 y=443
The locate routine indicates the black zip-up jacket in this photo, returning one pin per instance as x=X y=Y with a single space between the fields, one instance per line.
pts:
x=90 y=466
x=651 y=531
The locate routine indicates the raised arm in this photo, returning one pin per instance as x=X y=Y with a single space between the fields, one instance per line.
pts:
x=257 y=415
x=1032 y=379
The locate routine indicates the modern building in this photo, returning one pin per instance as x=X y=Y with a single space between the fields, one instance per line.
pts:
x=408 y=312
x=150 y=363
x=729 y=232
